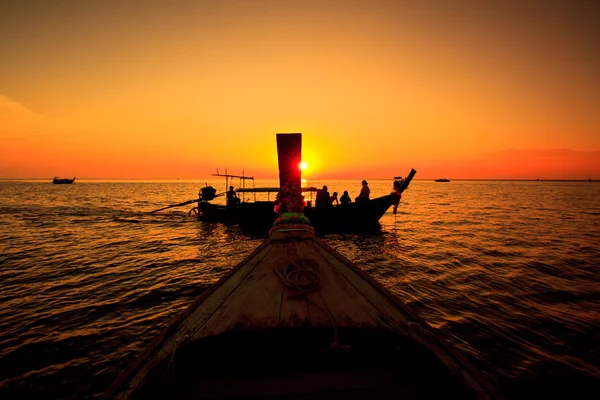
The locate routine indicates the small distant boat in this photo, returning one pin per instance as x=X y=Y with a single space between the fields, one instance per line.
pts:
x=62 y=181
x=442 y=180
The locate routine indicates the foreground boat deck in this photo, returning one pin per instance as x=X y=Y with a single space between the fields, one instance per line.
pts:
x=300 y=364
x=254 y=335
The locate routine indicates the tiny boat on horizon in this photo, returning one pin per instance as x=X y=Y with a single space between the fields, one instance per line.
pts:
x=442 y=180
x=62 y=181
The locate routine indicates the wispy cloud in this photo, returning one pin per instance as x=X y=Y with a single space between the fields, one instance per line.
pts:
x=7 y=103
x=19 y=121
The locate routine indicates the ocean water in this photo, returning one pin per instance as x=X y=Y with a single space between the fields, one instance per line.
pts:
x=507 y=271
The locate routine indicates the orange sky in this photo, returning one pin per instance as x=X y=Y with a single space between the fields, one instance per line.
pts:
x=176 y=89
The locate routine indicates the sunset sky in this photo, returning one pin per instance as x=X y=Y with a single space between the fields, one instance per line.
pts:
x=175 y=89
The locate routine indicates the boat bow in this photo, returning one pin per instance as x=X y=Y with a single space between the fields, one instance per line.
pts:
x=302 y=306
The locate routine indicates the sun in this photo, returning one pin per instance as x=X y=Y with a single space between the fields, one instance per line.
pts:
x=303 y=165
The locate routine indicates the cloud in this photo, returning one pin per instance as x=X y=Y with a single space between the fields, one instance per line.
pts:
x=19 y=121
x=10 y=105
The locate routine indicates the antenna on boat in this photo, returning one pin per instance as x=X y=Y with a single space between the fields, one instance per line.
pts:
x=228 y=177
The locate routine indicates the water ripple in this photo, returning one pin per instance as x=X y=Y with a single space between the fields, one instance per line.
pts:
x=506 y=273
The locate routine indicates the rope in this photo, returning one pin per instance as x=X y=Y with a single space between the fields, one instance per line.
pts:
x=334 y=346
x=303 y=275
x=300 y=274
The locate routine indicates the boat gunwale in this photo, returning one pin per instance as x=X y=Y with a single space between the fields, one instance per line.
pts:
x=465 y=364
x=126 y=375
x=468 y=373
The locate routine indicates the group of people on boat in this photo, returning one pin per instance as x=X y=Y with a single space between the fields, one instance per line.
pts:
x=324 y=199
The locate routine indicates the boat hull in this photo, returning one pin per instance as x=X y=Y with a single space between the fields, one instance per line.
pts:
x=251 y=335
x=357 y=215
x=260 y=215
x=270 y=364
x=217 y=213
x=58 y=181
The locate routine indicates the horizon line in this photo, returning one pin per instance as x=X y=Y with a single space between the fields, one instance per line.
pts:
x=316 y=179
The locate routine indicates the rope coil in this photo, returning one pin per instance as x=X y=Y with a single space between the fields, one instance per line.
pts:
x=303 y=275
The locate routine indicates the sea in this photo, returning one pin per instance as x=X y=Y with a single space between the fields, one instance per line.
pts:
x=507 y=271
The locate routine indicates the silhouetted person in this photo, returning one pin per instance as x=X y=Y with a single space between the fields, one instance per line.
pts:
x=332 y=199
x=345 y=199
x=232 y=199
x=322 y=197
x=365 y=192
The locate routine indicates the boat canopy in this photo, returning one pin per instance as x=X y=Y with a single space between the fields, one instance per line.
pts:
x=270 y=189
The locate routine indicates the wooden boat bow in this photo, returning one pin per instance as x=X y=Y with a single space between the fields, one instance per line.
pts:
x=297 y=320
x=252 y=314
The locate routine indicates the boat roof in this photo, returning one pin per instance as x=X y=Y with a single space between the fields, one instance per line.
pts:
x=271 y=189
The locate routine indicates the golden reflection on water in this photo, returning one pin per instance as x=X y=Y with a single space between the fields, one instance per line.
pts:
x=506 y=271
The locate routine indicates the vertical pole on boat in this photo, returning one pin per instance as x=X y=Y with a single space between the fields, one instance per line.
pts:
x=289 y=156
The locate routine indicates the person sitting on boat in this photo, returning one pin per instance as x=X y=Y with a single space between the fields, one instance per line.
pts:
x=332 y=199
x=345 y=199
x=322 y=197
x=232 y=199
x=365 y=192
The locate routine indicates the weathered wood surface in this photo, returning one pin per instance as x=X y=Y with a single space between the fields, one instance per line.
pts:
x=256 y=298
x=253 y=297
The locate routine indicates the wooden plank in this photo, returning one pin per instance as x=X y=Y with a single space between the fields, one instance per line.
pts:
x=256 y=302
x=213 y=303
x=182 y=328
x=336 y=302
x=294 y=308
x=402 y=319
x=384 y=311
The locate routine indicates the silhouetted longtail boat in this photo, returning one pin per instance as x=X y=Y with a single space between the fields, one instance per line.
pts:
x=63 y=181
x=297 y=320
x=260 y=215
